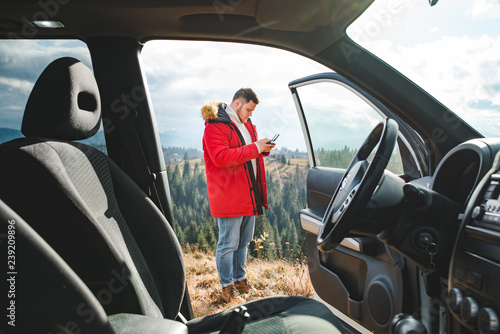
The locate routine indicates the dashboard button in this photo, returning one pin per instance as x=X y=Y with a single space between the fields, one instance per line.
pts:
x=478 y=212
x=455 y=300
x=488 y=218
x=469 y=310
x=487 y=321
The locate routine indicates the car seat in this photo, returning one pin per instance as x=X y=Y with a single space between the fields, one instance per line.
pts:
x=42 y=286
x=104 y=226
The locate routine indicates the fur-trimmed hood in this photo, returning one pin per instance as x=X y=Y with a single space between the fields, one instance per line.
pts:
x=215 y=112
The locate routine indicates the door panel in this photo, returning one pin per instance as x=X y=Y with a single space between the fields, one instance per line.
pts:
x=362 y=278
x=321 y=183
x=368 y=289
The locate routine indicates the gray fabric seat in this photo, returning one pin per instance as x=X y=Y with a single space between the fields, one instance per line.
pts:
x=57 y=298
x=102 y=224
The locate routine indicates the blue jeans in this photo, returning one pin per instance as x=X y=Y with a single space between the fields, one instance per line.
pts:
x=235 y=233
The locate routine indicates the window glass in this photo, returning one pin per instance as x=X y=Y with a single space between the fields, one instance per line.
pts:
x=339 y=122
x=452 y=50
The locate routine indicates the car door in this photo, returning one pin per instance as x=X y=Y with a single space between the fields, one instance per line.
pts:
x=364 y=280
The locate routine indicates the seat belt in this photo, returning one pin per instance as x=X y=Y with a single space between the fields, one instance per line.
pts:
x=236 y=321
x=145 y=178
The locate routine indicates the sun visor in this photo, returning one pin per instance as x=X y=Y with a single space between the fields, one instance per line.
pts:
x=299 y=15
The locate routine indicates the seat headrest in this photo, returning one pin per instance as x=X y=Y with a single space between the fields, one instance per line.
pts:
x=64 y=103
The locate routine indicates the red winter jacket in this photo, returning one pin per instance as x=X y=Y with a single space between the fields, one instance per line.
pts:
x=233 y=190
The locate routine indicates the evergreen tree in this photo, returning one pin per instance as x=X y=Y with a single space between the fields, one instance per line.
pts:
x=201 y=242
x=176 y=175
x=186 y=171
x=291 y=239
x=271 y=216
x=179 y=233
x=278 y=247
x=191 y=233
x=282 y=217
x=210 y=239
x=294 y=240
x=290 y=198
x=201 y=182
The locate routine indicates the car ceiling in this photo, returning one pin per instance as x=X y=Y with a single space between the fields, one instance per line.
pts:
x=305 y=27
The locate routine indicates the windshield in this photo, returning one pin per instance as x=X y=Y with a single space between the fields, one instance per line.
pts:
x=451 y=50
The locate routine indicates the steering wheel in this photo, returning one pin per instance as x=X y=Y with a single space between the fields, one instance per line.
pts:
x=352 y=195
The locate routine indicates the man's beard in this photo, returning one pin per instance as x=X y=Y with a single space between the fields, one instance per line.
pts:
x=237 y=114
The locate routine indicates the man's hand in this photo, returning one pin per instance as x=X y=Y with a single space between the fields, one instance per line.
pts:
x=263 y=145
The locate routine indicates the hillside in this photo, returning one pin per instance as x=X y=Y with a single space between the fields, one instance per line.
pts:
x=286 y=185
x=274 y=163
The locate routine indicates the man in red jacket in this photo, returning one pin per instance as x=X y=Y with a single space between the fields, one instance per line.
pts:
x=236 y=182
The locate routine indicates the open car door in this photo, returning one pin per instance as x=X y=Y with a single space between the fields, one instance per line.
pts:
x=365 y=281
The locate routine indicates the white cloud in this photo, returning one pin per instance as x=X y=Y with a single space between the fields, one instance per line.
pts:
x=461 y=72
x=15 y=84
x=484 y=9
x=450 y=50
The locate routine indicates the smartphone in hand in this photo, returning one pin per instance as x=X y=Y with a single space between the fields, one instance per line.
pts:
x=274 y=139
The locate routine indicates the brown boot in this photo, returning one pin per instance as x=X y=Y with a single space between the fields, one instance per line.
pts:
x=243 y=286
x=228 y=293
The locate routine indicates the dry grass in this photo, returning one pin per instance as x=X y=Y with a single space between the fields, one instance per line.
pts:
x=280 y=277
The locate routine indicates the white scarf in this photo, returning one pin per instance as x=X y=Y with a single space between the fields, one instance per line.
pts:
x=244 y=132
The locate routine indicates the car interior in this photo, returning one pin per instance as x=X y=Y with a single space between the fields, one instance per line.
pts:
x=412 y=251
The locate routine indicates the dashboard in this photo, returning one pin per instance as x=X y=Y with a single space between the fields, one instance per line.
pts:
x=456 y=214
x=470 y=176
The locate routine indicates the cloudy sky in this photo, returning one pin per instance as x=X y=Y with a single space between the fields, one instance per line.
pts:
x=452 y=50
x=182 y=76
